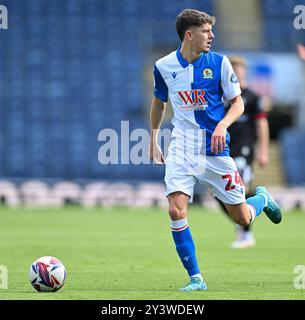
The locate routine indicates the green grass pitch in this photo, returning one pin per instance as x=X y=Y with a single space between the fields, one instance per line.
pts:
x=121 y=253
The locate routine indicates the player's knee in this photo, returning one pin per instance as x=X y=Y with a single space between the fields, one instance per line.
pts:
x=177 y=214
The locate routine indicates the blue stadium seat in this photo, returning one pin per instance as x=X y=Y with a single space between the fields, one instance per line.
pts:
x=73 y=70
x=294 y=141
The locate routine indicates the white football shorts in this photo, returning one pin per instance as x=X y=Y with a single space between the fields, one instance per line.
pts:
x=219 y=174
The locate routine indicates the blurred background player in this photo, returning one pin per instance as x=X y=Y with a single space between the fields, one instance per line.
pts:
x=301 y=51
x=251 y=125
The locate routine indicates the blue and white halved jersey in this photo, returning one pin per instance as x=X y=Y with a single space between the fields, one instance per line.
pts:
x=196 y=91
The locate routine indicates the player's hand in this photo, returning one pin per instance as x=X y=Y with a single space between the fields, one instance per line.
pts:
x=218 y=140
x=263 y=159
x=155 y=153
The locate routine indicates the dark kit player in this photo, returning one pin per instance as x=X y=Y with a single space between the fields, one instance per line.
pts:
x=251 y=126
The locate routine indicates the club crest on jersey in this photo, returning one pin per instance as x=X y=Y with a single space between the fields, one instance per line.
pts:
x=207 y=73
x=193 y=100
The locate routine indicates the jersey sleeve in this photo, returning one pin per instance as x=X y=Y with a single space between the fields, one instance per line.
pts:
x=160 y=87
x=229 y=82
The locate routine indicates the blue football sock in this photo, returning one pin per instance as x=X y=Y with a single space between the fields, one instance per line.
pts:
x=258 y=203
x=185 y=246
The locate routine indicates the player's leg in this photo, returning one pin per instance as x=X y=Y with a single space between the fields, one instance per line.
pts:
x=242 y=213
x=178 y=203
x=179 y=191
x=244 y=235
x=223 y=179
x=245 y=213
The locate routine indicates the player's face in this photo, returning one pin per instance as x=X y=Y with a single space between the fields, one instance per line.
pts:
x=202 y=37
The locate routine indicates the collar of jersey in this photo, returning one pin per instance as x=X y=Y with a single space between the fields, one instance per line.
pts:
x=184 y=63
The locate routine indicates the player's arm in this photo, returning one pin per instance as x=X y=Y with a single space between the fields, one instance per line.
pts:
x=218 y=141
x=262 y=130
x=157 y=111
x=231 y=92
x=235 y=111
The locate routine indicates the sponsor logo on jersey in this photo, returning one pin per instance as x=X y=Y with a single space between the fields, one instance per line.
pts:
x=207 y=73
x=193 y=100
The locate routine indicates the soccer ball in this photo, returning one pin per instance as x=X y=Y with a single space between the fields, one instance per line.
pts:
x=47 y=274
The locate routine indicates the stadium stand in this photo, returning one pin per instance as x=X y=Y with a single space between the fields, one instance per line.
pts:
x=277 y=17
x=70 y=69
x=294 y=141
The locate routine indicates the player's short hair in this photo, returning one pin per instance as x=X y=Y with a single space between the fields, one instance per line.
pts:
x=191 y=17
x=237 y=60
